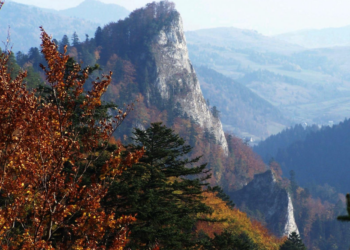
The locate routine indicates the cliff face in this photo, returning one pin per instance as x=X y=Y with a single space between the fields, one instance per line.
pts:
x=177 y=80
x=153 y=40
x=266 y=196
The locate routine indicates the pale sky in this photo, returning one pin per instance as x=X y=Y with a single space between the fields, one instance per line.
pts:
x=268 y=17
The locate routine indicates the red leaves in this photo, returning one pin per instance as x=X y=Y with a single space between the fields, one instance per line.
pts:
x=43 y=159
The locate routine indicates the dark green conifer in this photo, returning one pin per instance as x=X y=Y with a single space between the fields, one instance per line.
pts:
x=75 y=39
x=293 y=242
x=64 y=42
x=222 y=195
x=227 y=241
x=164 y=190
x=13 y=67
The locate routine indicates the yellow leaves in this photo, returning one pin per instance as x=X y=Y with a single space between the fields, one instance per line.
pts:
x=236 y=222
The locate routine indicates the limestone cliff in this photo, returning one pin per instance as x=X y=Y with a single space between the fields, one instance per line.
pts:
x=177 y=80
x=153 y=41
x=265 y=195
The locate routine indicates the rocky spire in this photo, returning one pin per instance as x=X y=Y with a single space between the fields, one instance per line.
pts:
x=265 y=194
x=177 y=79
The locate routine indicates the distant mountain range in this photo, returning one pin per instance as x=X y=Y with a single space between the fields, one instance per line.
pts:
x=23 y=21
x=240 y=39
x=242 y=111
x=318 y=38
x=306 y=85
x=97 y=12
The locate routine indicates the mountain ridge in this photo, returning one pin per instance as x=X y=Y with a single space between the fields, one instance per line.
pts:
x=241 y=110
x=25 y=21
x=318 y=38
x=97 y=12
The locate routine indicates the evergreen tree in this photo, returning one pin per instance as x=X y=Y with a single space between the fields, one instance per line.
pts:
x=75 y=39
x=228 y=241
x=293 y=242
x=35 y=58
x=98 y=36
x=162 y=190
x=33 y=79
x=21 y=58
x=64 y=42
x=12 y=65
x=223 y=196
x=215 y=112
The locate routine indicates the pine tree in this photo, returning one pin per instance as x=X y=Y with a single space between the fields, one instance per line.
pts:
x=293 y=242
x=162 y=190
x=35 y=58
x=64 y=42
x=215 y=112
x=223 y=196
x=12 y=65
x=75 y=39
x=98 y=36
x=21 y=58
x=227 y=241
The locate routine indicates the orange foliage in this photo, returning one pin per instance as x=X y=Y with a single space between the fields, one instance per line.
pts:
x=43 y=158
x=235 y=222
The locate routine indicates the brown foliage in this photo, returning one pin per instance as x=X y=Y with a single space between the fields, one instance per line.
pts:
x=44 y=158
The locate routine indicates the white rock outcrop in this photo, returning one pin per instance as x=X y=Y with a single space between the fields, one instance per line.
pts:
x=264 y=194
x=177 y=79
x=290 y=225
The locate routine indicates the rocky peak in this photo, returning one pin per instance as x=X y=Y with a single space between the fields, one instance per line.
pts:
x=177 y=80
x=264 y=194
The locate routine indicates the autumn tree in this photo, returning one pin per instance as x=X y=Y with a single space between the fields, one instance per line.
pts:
x=47 y=199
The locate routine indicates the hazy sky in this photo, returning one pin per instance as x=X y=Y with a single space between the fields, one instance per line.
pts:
x=266 y=16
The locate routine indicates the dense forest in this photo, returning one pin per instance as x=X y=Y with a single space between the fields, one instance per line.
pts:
x=269 y=148
x=316 y=155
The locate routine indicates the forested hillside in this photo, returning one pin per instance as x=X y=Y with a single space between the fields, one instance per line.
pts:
x=306 y=85
x=241 y=111
x=317 y=155
x=269 y=148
